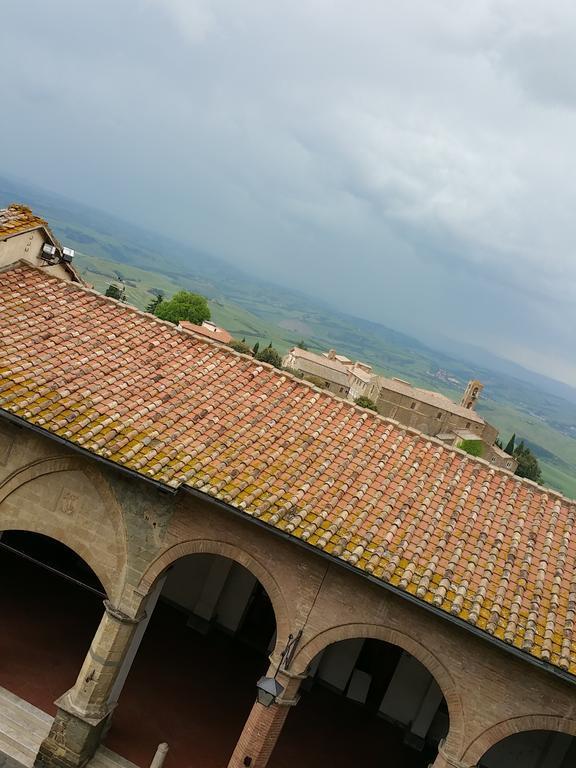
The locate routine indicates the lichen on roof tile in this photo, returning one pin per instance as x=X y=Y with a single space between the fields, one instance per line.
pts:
x=475 y=542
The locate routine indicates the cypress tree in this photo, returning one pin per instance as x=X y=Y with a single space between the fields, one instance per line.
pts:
x=510 y=445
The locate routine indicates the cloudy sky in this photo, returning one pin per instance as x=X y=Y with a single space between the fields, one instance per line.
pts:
x=412 y=161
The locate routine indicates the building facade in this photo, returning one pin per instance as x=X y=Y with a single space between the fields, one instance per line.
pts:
x=326 y=371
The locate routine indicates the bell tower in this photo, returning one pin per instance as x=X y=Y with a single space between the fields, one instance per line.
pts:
x=471 y=394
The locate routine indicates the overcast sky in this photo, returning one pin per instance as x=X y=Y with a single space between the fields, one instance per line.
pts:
x=412 y=161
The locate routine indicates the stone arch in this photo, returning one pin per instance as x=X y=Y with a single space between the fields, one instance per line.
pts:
x=307 y=652
x=500 y=731
x=238 y=555
x=110 y=574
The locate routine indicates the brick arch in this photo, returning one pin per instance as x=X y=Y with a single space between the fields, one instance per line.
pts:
x=502 y=730
x=238 y=555
x=110 y=578
x=307 y=652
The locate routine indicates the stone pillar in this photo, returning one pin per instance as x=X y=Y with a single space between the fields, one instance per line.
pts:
x=130 y=655
x=444 y=760
x=84 y=710
x=264 y=725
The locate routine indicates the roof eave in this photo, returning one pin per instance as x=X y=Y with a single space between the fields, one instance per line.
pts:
x=455 y=620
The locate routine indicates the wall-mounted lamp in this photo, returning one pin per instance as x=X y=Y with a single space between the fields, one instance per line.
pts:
x=268 y=688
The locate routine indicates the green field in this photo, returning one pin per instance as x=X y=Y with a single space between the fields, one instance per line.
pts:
x=109 y=250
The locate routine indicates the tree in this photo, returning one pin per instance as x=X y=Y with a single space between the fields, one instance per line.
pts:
x=240 y=346
x=184 y=305
x=302 y=345
x=473 y=447
x=154 y=304
x=528 y=465
x=113 y=292
x=510 y=445
x=270 y=355
x=255 y=348
x=365 y=402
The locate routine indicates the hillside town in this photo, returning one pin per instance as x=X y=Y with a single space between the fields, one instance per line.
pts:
x=425 y=410
x=209 y=561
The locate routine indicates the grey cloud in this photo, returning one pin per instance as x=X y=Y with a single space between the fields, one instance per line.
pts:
x=426 y=144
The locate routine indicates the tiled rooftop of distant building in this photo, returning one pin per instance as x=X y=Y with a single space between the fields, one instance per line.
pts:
x=18 y=218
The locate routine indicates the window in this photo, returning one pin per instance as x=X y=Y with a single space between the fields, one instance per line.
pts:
x=467 y=424
x=439 y=415
x=413 y=406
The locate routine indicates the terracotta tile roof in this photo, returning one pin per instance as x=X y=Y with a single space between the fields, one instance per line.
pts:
x=18 y=218
x=218 y=334
x=474 y=541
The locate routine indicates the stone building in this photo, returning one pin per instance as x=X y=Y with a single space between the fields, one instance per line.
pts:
x=26 y=236
x=425 y=410
x=327 y=370
x=437 y=415
x=414 y=605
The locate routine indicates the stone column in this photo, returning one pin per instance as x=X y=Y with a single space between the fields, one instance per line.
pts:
x=444 y=760
x=84 y=710
x=264 y=725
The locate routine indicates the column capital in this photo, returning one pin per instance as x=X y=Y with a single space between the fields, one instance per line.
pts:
x=444 y=760
x=288 y=702
x=118 y=615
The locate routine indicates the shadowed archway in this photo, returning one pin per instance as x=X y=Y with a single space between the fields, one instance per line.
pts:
x=209 y=638
x=52 y=602
x=532 y=749
x=389 y=694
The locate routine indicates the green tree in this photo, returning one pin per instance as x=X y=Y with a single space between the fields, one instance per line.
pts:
x=113 y=292
x=302 y=344
x=154 y=304
x=510 y=445
x=528 y=465
x=473 y=447
x=255 y=348
x=184 y=306
x=240 y=346
x=365 y=402
x=270 y=355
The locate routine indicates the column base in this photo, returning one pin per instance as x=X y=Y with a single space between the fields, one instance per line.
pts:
x=73 y=738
